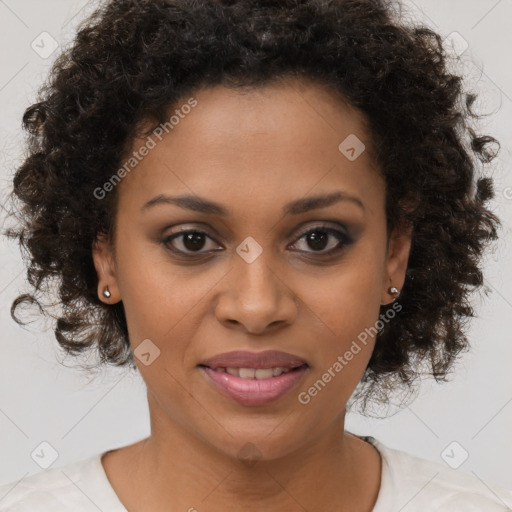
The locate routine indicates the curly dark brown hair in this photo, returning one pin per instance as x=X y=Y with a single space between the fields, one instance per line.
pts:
x=131 y=59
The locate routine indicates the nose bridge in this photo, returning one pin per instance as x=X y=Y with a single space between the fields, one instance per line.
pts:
x=254 y=274
x=256 y=296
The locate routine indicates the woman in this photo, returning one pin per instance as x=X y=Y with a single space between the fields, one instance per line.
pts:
x=257 y=205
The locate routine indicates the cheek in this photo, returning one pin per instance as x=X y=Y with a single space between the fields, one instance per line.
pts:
x=156 y=295
x=164 y=310
x=344 y=308
x=345 y=341
x=346 y=299
x=162 y=313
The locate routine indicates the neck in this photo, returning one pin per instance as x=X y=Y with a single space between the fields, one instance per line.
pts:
x=173 y=468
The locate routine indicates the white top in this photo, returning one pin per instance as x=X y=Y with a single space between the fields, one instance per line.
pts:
x=408 y=484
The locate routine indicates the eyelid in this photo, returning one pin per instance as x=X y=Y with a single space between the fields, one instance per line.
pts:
x=298 y=233
x=301 y=230
x=331 y=224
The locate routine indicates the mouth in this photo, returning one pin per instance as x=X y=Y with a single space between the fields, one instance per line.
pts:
x=243 y=359
x=256 y=373
x=254 y=378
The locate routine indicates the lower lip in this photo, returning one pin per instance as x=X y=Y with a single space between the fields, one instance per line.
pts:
x=254 y=391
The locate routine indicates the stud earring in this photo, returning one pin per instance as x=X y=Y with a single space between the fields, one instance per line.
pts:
x=394 y=291
x=106 y=292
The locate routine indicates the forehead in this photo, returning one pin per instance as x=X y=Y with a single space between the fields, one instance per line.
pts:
x=284 y=139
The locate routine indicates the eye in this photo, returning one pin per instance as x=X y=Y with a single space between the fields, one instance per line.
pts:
x=193 y=241
x=318 y=239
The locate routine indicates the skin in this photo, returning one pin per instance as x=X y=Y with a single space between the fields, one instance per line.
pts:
x=253 y=152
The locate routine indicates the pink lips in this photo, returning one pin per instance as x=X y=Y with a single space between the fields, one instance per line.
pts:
x=254 y=391
x=245 y=359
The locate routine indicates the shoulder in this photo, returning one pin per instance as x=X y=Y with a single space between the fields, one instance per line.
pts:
x=70 y=487
x=413 y=483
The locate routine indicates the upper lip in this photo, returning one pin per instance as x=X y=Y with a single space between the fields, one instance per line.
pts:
x=245 y=359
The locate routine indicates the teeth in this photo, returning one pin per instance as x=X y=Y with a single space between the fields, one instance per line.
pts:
x=263 y=373
x=255 y=373
x=278 y=370
x=247 y=373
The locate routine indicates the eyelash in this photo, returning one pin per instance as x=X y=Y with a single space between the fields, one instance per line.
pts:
x=343 y=237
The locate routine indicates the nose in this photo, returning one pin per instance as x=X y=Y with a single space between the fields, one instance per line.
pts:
x=255 y=298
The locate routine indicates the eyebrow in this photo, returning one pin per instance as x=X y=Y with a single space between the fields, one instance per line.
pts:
x=202 y=205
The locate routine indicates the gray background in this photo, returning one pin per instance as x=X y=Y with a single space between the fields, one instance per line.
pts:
x=42 y=399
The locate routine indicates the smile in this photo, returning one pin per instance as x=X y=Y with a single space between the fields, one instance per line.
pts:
x=254 y=386
x=255 y=373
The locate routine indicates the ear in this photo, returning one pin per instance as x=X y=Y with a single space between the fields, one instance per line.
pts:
x=396 y=261
x=104 y=264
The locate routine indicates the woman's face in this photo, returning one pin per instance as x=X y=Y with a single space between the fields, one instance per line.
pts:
x=253 y=273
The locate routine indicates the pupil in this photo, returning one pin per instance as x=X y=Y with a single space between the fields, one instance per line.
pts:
x=313 y=237
x=194 y=239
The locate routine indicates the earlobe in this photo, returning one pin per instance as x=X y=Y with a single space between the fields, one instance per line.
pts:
x=396 y=264
x=108 y=291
